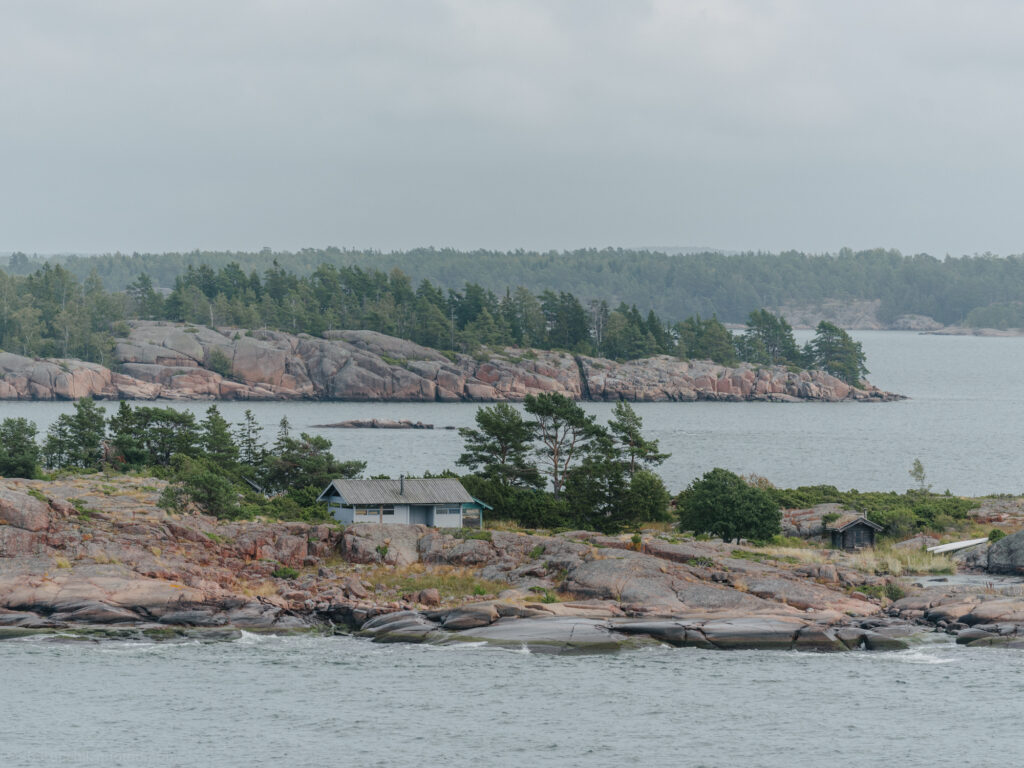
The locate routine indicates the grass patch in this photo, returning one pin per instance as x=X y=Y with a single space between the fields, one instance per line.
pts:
x=62 y=562
x=537 y=551
x=284 y=572
x=778 y=554
x=542 y=595
x=263 y=589
x=886 y=561
x=216 y=537
x=472 y=533
x=890 y=591
x=450 y=581
x=35 y=493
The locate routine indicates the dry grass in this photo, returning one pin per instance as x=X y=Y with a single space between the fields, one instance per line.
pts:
x=262 y=589
x=62 y=562
x=450 y=581
x=103 y=558
x=793 y=554
x=901 y=562
x=661 y=527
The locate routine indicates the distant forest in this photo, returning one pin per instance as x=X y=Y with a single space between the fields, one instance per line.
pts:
x=51 y=313
x=980 y=291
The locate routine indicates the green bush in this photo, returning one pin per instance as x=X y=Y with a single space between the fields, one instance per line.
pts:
x=218 y=362
x=899 y=513
x=723 y=504
x=472 y=533
x=894 y=591
x=995 y=535
x=284 y=572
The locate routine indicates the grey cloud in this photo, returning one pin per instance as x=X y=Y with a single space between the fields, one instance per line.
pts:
x=173 y=125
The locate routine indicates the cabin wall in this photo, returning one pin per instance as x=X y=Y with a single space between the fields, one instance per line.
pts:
x=439 y=515
x=447 y=516
x=857 y=537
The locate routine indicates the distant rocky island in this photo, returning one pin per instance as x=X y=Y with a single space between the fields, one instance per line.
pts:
x=174 y=361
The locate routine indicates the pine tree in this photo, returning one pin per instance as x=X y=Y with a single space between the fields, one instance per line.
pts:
x=499 y=448
x=216 y=441
x=636 y=451
x=251 y=450
x=19 y=454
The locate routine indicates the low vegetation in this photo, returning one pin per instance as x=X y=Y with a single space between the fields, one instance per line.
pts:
x=888 y=561
x=450 y=581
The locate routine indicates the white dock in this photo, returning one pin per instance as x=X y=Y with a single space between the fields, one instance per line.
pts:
x=953 y=546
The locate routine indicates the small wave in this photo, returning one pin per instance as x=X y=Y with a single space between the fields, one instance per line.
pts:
x=925 y=656
x=254 y=638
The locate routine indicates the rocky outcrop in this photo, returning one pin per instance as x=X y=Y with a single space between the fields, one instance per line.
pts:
x=94 y=553
x=1007 y=554
x=852 y=314
x=184 y=362
x=375 y=424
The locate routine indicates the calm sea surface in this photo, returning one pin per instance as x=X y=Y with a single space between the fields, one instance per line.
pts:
x=964 y=420
x=305 y=701
x=266 y=701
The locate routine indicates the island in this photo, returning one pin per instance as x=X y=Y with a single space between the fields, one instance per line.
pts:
x=179 y=361
x=95 y=555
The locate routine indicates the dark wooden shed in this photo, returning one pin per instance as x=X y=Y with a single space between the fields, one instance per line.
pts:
x=853 y=531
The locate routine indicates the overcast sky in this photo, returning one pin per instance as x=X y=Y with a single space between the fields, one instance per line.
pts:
x=153 y=126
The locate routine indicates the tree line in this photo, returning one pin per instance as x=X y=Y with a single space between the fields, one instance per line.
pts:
x=549 y=466
x=975 y=290
x=228 y=470
x=601 y=477
x=50 y=313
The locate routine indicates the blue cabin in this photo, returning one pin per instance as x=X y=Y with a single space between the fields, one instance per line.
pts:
x=436 y=501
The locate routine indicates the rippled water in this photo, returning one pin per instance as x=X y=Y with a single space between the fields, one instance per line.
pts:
x=307 y=701
x=965 y=421
x=310 y=701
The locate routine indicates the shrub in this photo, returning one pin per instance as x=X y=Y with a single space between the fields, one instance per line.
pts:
x=284 y=572
x=218 y=362
x=894 y=591
x=721 y=503
x=995 y=535
x=472 y=533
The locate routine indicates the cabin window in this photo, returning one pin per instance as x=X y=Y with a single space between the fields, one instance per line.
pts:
x=447 y=510
x=388 y=510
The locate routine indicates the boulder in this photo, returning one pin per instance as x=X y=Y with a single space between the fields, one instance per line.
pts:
x=753 y=632
x=24 y=511
x=364 y=543
x=1007 y=554
x=471 y=616
x=556 y=635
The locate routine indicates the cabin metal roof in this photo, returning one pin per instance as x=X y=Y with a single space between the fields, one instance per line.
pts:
x=430 y=490
x=849 y=519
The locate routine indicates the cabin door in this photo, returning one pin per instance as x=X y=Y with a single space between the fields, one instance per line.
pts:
x=420 y=515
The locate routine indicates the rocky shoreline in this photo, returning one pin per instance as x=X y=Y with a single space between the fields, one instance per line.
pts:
x=94 y=555
x=171 y=361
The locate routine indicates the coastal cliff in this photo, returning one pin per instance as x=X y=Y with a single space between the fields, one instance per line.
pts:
x=184 y=362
